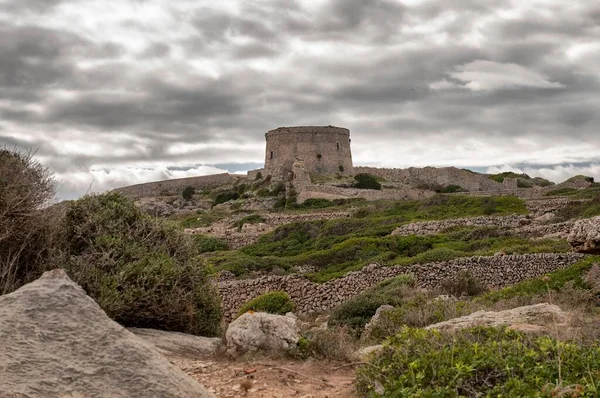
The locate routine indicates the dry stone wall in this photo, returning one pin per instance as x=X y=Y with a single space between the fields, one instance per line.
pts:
x=435 y=227
x=495 y=272
x=442 y=176
x=331 y=193
x=174 y=187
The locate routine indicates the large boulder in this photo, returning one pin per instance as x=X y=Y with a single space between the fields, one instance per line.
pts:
x=255 y=331
x=57 y=342
x=538 y=317
x=585 y=236
x=176 y=346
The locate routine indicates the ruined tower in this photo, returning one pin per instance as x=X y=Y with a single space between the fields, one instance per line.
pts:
x=321 y=149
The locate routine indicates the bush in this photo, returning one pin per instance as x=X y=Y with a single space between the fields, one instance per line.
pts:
x=141 y=271
x=358 y=311
x=480 y=362
x=188 y=193
x=258 y=176
x=316 y=203
x=366 y=181
x=251 y=219
x=464 y=283
x=207 y=244
x=451 y=189
x=28 y=233
x=278 y=303
x=226 y=196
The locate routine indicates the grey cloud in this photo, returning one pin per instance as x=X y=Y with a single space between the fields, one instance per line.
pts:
x=358 y=64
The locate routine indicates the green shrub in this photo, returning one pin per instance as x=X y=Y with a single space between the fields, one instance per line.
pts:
x=278 y=303
x=207 y=244
x=188 y=193
x=581 y=178
x=226 y=196
x=356 y=312
x=316 y=203
x=451 y=189
x=521 y=183
x=141 y=271
x=507 y=174
x=563 y=192
x=366 y=181
x=251 y=219
x=258 y=176
x=480 y=362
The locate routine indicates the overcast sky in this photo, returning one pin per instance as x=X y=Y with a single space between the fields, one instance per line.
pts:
x=113 y=93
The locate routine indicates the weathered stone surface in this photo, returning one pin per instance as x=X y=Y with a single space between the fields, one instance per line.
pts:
x=174 y=345
x=255 y=331
x=375 y=318
x=365 y=353
x=528 y=318
x=57 y=342
x=585 y=236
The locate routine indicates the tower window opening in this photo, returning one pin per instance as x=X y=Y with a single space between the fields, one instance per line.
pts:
x=338 y=145
x=271 y=154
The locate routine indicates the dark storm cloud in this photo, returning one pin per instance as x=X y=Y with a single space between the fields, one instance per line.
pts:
x=209 y=79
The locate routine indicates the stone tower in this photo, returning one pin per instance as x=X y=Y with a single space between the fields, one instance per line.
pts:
x=322 y=150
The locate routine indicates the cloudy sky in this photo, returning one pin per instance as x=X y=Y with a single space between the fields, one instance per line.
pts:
x=112 y=93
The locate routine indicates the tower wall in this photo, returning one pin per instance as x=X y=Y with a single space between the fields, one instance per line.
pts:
x=323 y=150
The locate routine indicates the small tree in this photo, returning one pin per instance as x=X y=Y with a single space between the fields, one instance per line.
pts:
x=366 y=181
x=188 y=193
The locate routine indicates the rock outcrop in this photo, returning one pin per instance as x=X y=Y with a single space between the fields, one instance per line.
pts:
x=585 y=236
x=530 y=318
x=57 y=342
x=255 y=331
x=375 y=318
x=175 y=345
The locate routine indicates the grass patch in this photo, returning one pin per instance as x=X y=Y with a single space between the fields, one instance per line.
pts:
x=575 y=210
x=251 y=219
x=278 y=303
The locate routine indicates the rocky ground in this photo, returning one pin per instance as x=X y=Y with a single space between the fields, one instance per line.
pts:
x=273 y=378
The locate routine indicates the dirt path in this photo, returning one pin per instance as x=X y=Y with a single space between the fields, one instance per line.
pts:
x=273 y=378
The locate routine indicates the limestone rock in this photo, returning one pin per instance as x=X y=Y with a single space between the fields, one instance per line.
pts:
x=531 y=317
x=255 y=331
x=545 y=218
x=375 y=318
x=364 y=353
x=57 y=342
x=175 y=345
x=585 y=236
x=155 y=207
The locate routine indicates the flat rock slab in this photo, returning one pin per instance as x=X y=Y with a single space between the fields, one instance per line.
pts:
x=55 y=341
x=532 y=318
x=175 y=345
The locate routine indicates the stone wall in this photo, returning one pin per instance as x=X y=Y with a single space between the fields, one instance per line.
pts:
x=495 y=272
x=174 y=187
x=323 y=150
x=441 y=176
x=435 y=227
x=331 y=193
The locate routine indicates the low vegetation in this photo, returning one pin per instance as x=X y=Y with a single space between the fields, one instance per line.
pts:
x=209 y=244
x=481 y=362
x=278 y=303
x=141 y=271
x=366 y=181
